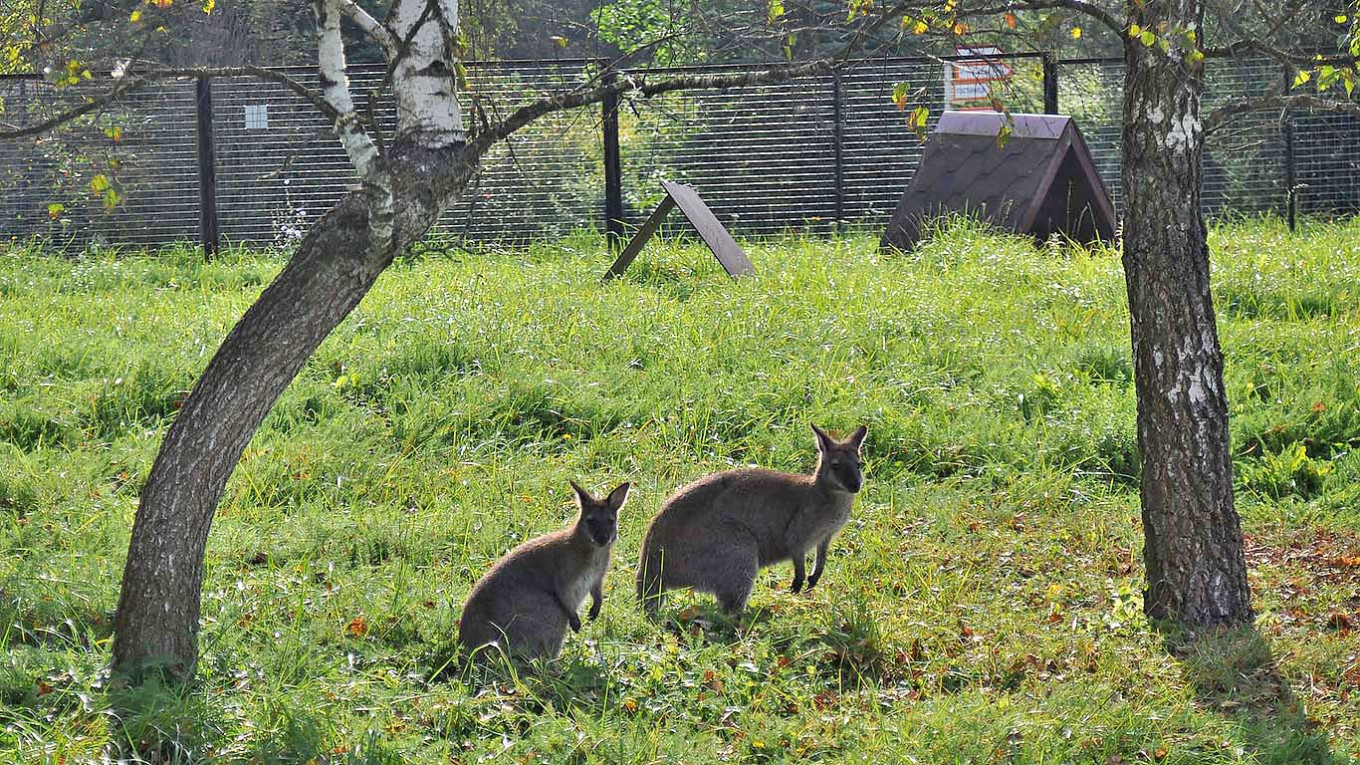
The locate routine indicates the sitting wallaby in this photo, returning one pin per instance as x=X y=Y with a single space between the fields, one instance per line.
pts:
x=525 y=603
x=716 y=533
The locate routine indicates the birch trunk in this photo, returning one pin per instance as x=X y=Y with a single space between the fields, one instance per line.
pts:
x=1196 y=572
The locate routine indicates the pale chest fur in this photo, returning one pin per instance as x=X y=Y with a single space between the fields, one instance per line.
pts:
x=575 y=589
x=817 y=521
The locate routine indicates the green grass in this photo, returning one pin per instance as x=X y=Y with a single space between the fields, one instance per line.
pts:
x=982 y=605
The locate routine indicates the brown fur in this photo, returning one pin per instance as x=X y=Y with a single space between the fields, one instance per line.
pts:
x=716 y=533
x=525 y=603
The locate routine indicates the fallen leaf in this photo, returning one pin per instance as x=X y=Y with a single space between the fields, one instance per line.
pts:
x=358 y=627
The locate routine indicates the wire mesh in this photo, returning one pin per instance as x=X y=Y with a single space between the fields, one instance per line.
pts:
x=762 y=156
x=123 y=175
x=1327 y=157
x=805 y=154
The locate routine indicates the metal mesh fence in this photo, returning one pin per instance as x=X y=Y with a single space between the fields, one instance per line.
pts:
x=808 y=154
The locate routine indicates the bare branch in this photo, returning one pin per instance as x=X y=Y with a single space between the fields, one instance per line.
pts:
x=130 y=83
x=1084 y=7
x=1253 y=45
x=1219 y=117
x=634 y=84
x=371 y=26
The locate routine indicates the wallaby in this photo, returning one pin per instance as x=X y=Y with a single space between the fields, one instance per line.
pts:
x=525 y=603
x=716 y=533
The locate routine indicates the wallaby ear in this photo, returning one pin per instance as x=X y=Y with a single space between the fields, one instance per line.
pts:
x=823 y=440
x=582 y=496
x=618 y=496
x=856 y=439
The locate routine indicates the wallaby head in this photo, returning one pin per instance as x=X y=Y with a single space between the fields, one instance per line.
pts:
x=600 y=517
x=838 y=464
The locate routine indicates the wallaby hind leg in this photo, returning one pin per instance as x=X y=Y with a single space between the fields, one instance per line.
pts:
x=739 y=578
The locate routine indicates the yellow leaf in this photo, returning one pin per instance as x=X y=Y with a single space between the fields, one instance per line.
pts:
x=920 y=28
x=960 y=29
x=209 y=5
x=99 y=183
x=1076 y=33
x=136 y=17
x=162 y=3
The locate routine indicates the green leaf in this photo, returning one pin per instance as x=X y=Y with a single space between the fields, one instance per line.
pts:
x=1302 y=77
x=900 y=92
x=774 y=10
x=1147 y=38
x=1004 y=136
x=99 y=184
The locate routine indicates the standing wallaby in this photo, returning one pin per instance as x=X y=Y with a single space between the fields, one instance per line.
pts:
x=716 y=533
x=525 y=603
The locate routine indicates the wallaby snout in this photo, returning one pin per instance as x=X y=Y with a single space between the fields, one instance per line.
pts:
x=601 y=517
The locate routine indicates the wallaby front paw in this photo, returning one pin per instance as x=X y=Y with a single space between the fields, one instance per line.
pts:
x=594 y=612
x=797 y=586
x=575 y=623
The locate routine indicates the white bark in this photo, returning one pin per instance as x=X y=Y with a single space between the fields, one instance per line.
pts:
x=423 y=81
x=358 y=145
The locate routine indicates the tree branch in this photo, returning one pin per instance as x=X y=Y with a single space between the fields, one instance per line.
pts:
x=1219 y=117
x=1084 y=7
x=633 y=84
x=371 y=26
x=127 y=84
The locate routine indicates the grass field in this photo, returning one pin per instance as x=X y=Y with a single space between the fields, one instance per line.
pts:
x=983 y=605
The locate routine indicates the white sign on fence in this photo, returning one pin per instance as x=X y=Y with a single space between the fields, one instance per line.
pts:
x=968 y=81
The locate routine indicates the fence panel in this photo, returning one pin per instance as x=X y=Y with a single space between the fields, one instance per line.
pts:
x=1327 y=157
x=763 y=157
x=806 y=154
x=127 y=174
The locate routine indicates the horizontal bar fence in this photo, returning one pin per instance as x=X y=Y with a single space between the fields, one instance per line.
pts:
x=813 y=154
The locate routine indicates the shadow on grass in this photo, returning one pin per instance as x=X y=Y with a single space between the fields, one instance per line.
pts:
x=1234 y=674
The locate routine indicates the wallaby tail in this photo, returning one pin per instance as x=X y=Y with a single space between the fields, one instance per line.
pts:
x=650 y=591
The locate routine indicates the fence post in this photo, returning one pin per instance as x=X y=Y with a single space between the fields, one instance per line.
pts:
x=1290 y=170
x=207 y=169
x=838 y=145
x=613 y=165
x=1050 y=65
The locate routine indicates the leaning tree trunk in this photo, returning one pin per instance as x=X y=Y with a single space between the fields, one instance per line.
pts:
x=405 y=186
x=158 y=610
x=1196 y=573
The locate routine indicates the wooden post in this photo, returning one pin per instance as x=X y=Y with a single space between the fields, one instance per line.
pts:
x=1050 y=65
x=613 y=168
x=1290 y=168
x=207 y=170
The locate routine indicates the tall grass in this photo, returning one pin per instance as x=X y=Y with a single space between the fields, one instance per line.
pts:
x=982 y=606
